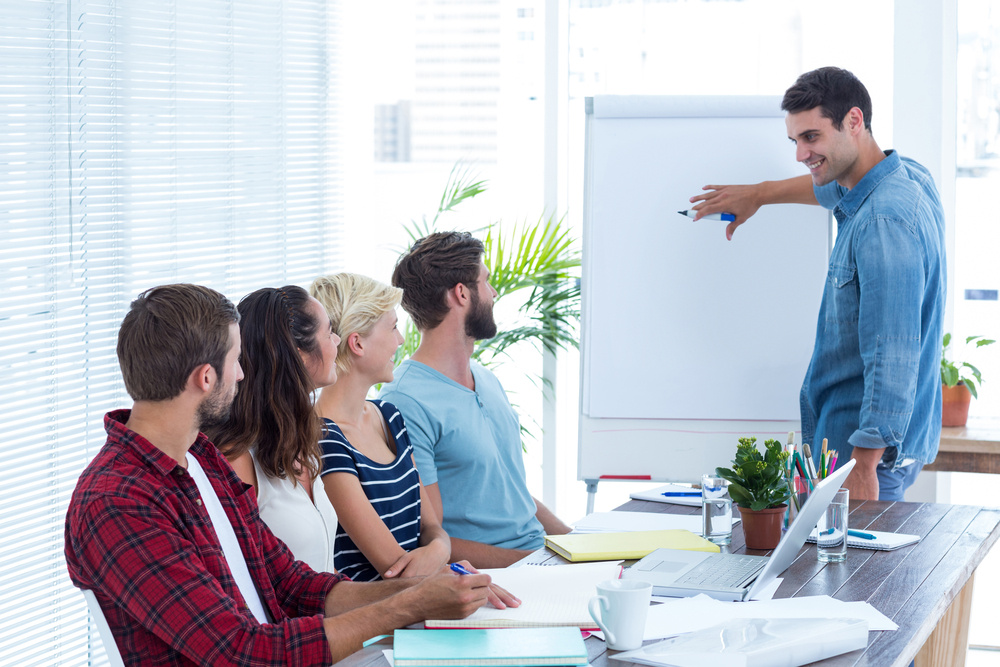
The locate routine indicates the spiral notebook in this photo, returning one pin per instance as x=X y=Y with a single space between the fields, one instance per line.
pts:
x=882 y=542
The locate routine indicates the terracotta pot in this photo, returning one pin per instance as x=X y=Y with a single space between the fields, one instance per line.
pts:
x=955 y=404
x=762 y=528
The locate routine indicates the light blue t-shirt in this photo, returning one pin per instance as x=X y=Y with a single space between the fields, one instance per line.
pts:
x=469 y=443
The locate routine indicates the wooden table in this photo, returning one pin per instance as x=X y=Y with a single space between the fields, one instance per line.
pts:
x=974 y=447
x=925 y=588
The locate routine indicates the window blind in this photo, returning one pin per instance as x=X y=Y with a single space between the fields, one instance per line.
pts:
x=141 y=142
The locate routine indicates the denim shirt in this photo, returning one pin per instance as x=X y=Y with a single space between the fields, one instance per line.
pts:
x=874 y=378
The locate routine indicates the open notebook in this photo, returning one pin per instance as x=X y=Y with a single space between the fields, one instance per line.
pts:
x=550 y=596
x=882 y=542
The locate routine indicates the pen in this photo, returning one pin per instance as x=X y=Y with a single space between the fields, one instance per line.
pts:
x=724 y=217
x=458 y=569
x=681 y=494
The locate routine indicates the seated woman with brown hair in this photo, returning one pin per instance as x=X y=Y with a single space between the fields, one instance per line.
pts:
x=272 y=434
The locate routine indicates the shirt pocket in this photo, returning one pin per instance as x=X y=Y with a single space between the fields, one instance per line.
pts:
x=842 y=295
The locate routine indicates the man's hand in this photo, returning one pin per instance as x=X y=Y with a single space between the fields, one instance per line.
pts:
x=447 y=595
x=499 y=597
x=745 y=200
x=862 y=482
x=740 y=200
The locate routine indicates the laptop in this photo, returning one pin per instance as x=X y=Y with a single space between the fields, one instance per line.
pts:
x=734 y=577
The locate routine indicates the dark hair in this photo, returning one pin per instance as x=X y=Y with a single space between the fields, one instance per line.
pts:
x=273 y=412
x=168 y=332
x=431 y=267
x=835 y=91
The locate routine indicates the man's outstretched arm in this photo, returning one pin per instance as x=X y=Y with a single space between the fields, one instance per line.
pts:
x=745 y=200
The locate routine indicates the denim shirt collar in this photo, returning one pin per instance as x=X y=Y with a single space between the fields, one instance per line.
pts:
x=856 y=196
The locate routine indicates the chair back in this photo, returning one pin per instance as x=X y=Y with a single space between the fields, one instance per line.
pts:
x=110 y=647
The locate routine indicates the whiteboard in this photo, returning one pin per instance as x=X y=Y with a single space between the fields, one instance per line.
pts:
x=689 y=340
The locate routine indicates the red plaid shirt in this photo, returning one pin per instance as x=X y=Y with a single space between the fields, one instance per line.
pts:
x=138 y=535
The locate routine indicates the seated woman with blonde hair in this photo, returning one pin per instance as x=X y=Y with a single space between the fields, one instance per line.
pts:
x=387 y=526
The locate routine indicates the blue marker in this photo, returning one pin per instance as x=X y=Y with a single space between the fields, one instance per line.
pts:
x=861 y=534
x=681 y=494
x=458 y=569
x=724 y=217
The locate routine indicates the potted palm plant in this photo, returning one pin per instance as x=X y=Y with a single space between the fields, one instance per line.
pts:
x=758 y=486
x=959 y=383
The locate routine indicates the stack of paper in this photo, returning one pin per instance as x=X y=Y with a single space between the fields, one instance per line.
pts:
x=628 y=546
x=550 y=596
x=533 y=647
x=756 y=642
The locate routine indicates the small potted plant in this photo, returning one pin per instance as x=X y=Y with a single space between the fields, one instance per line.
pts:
x=758 y=486
x=959 y=383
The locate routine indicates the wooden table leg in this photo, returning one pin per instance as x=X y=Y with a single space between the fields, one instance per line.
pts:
x=949 y=643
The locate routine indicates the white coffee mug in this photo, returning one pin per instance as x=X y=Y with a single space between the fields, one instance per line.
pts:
x=619 y=609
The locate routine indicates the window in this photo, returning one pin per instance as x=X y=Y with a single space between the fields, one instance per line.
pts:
x=143 y=142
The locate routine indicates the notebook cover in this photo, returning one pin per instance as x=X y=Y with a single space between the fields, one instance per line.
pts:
x=629 y=546
x=514 y=646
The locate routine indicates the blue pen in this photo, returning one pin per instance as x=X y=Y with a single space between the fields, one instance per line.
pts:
x=724 y=217
x=458 y=569
x=681 y=494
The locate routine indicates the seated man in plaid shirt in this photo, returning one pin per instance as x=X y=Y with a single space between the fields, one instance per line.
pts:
x=169 y=539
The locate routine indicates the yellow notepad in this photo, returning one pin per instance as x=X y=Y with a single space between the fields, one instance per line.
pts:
x=631 y=545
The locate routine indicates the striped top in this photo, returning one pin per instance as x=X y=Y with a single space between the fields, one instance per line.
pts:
x=393 y=489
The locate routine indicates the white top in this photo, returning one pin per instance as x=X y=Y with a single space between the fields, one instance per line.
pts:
x=227 y=538
x=307 y=527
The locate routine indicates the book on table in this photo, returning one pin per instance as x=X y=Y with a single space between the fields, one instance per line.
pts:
x=578 y=547
x=531 y=647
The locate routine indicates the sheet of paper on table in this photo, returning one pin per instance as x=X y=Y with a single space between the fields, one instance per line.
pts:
x=679 y=615
x=615 y=522
x=656 y=495
x=756 y=642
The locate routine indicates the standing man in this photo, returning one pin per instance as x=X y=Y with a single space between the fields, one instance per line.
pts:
x=873 y=383
x=168 y=538
x=466 y=436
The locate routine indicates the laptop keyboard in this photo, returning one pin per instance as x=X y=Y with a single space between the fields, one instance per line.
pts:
x=727 y=572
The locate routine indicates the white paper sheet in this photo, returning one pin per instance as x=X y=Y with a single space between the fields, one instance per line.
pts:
x=679 y=615
x=615 y=522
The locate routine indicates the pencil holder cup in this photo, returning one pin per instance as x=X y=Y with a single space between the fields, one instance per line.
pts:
x=800 y=494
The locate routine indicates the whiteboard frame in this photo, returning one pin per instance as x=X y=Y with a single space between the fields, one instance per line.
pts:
x=633 y=448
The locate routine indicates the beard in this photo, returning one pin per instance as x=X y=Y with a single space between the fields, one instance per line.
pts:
x=479 y=322
x=216 y=408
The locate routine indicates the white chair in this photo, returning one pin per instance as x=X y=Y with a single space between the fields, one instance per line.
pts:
x=110 y=647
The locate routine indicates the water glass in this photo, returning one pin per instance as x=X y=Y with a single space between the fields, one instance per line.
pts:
x=716 y=510
x=831 y=531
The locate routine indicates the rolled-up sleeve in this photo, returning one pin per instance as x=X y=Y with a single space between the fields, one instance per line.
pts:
x=891 y=279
